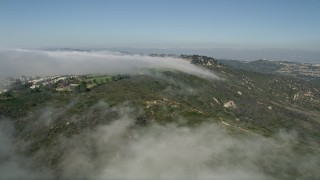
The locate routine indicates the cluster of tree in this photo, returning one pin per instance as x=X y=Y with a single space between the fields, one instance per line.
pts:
x=119 y=77
x=163 y=55
x=199 y=60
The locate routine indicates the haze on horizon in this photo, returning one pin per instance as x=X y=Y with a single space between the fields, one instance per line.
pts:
x=249 y=29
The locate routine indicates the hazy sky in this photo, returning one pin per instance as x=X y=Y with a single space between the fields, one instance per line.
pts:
x=245 y=24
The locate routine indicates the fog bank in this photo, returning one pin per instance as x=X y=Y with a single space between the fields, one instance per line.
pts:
x=17 y=62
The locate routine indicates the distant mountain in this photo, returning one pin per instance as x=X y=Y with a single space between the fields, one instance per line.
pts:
x=295 y=55
x=65 y=49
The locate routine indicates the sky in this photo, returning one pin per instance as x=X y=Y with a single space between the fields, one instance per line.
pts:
x=201 y=24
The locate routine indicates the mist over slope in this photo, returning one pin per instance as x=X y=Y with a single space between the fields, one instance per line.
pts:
x=120 y=149
x=14 y=165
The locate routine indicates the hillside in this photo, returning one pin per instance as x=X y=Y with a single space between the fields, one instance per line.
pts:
x=246 y=103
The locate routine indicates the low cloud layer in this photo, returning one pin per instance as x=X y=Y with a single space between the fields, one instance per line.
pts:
x=40 y=62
